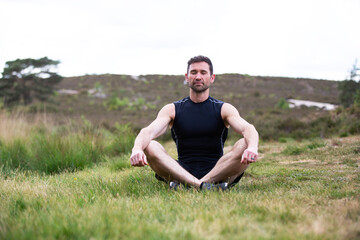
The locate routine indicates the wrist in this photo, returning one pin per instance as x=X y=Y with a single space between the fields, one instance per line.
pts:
x=252 y=149
x=136 y=149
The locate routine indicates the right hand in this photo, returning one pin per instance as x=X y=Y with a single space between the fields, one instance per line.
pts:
x=138 y=159
x=249 y=156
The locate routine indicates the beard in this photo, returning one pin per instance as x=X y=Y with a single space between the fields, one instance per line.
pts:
x=199 y=89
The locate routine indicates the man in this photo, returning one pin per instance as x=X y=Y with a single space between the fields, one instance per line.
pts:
x=199 y=125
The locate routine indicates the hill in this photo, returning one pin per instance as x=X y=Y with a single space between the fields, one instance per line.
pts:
x=137 y=99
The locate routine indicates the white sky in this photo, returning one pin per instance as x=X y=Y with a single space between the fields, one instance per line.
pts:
x=295 y=38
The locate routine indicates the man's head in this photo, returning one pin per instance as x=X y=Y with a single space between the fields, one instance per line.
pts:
x=200 y=58
x=199 y=74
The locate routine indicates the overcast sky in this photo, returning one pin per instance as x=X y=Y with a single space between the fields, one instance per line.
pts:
x=299 y=38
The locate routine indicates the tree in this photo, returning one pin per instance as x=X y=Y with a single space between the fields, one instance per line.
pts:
x=354 y=75
x=357 y=98
x=347 y=92
x=25 y=79
x=349 y=88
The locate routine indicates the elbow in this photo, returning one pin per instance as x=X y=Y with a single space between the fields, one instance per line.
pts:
x=251 y=130
x=146 y=133
x=143 y=132
x=254 y=130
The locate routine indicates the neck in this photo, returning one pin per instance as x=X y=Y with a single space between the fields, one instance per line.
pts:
x=199 y=97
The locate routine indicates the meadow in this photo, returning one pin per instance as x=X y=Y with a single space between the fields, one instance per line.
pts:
x=74 y=181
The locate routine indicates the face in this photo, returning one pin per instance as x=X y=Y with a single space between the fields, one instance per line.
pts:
x=198 y=77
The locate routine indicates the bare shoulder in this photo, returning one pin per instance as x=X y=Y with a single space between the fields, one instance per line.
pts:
x=167 y=114
x=168 y=110
x=229 y=113
x=228 y=110
x=164 y=118
x=161 y=122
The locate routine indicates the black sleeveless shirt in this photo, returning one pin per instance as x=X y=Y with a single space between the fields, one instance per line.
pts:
x=199 y=133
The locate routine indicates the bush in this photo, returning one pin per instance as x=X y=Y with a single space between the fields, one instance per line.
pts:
x=315 y=145
x=293 y=150
x=356 y=98
x=53 y=154
x=348 y=89
x=282 y=104
x=14 y=155
x=280 y=124
x=49 y=154
x=114 y=103
x=290 y=124
x=285 y=139
x=123 y=140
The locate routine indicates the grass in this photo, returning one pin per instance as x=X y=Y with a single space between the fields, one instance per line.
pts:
x=305 y=189
x=47 y=148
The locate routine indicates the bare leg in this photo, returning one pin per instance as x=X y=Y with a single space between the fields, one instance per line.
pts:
x=229 y=166
x=166 y=167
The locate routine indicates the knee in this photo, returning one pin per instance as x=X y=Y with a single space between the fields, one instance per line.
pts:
x=152 y=148
x=239 y=147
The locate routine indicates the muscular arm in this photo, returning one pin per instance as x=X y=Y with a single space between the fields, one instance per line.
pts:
x=232 y=118
x=154 y=130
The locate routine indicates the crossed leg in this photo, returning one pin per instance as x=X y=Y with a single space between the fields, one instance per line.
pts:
x=227 y=168
x=166 y=167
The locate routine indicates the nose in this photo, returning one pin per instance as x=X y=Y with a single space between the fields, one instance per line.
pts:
x=198 y=76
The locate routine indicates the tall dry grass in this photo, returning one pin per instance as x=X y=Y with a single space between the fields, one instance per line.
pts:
x=13 y=126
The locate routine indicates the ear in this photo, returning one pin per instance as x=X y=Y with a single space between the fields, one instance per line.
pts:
x=186 y=78
x=212 y=78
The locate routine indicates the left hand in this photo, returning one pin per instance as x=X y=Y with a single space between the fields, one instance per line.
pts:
x=138 y=158
x=249 y=156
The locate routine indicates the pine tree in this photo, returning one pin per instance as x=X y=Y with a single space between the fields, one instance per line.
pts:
x=350 y=88
x=25 y=79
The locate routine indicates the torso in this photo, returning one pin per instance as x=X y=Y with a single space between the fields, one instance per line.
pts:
x=199 y=132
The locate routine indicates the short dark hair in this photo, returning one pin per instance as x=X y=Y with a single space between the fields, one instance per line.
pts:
x=200 y=58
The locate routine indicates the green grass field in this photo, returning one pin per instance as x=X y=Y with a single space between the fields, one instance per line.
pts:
x=297 y=190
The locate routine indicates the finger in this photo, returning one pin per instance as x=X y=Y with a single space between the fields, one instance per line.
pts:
x=246 y=157
x=141 y=160
x=136 y=161
x=253 y=158
x=145 y=160
x=132 y=161
x=243 y=158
